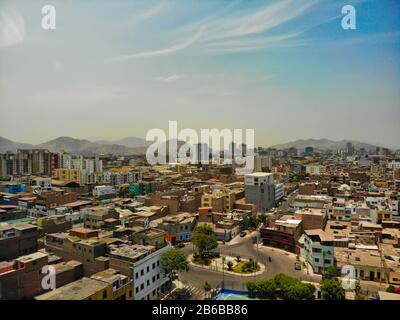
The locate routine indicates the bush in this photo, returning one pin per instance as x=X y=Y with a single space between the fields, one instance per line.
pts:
x=230 y=265
x=250 y=266
x=391 y=289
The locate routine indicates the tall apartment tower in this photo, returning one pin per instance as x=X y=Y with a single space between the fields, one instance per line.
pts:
x=260 y=190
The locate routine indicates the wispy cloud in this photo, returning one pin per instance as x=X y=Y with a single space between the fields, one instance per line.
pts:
x=171 y=78
x=12 y=28
x=161 y=52
x=145 y=15
x=250 y=32
x=263 y=20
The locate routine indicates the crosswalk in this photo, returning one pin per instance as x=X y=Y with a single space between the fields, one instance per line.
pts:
x=196 y=293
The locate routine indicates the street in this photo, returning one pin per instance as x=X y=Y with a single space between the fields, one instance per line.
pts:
x=280 y=262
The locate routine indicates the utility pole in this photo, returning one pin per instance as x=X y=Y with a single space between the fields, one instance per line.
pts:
x=223 y=272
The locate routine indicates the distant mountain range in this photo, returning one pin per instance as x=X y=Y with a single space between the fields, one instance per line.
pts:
x=130 y=142
x=71 y=145
x=134 y=145
x=324 y=144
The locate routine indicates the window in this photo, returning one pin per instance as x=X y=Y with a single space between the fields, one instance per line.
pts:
x=154 y=278
x=158 y=276
x=148 y=269
x=154 y=265
x=137 y=289
x=142 y=286
x=158 y=263
x=148 y=282
x=316 y=259
x=136 y=275
x=142 y=272
x=104 y=294
x=130 y=294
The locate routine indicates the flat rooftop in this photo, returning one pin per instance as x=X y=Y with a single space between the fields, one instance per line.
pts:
x=77 y=290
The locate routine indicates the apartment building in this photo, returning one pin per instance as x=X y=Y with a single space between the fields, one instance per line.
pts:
x=260 y=190
x=90 y=251
x=22 y=278
x=17 y=240
x=318 y=249
x=97 y=217
x=142 y=264
x=82 y=289
x=177 y=227
x=220 y=200
x=283 y=233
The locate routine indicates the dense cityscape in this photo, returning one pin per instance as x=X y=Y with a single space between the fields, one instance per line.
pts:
x=187 y=158
x=303 y=225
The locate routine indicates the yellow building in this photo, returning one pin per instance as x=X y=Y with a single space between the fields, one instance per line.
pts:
x=220 y=201
x=105 y=285
x=68 y=175
x=122 y=288
x=82 y=289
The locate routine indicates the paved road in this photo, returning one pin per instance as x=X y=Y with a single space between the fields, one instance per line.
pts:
x=280 y=262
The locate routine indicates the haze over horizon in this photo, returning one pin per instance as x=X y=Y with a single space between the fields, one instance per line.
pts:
x=285 y=68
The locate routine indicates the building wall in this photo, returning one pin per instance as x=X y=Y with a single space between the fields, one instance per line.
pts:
x=152 y=282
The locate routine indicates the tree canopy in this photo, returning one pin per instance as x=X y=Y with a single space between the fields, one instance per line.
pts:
x=204 y=239
x=332 y=289
x=173 y=261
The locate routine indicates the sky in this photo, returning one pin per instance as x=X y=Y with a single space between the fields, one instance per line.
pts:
x=285 y=68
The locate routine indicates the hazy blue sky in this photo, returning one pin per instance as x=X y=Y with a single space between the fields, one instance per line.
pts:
x=119 y=68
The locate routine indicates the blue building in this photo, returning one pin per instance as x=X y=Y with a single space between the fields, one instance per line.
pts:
x=15 y=188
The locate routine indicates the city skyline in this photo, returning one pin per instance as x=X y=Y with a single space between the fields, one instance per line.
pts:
x=285 y=68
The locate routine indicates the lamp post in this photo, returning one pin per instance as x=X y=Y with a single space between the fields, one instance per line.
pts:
x=223 y=272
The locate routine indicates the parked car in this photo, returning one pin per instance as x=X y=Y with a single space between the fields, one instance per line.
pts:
x=179 y=244
x=297 y=265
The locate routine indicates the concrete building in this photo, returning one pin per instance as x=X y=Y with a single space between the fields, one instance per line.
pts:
x=259 y=190
x=283 y=233
x=220 y=200
x=262 y=163
x=318 y=249
x=17 y=240
x=142 y=264
x=91 y=251
x=82 y=289
x=279 y=191
x=22 y=278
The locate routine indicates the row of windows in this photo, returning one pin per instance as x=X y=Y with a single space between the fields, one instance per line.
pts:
x=147 y=269
x=326 y=261
x=141 y=287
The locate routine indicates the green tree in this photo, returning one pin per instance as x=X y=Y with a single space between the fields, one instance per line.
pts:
x=330 y=272
x=230 y=265
x=251 y=287
x=204 y=239
x=299 y=291
x=332 y=289
x=172 y=262
x=207 y=287
x=238 y=259
x=391 y=289
x=262 y=218
x=284 y=281
x=266 y=289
